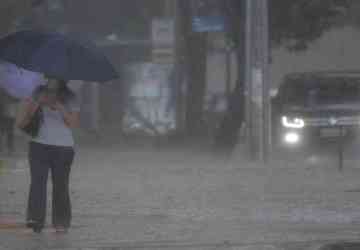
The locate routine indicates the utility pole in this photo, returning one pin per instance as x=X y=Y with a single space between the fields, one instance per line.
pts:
x=178 y=68
x=228 y=65
x=257 y=83
x=172 y=11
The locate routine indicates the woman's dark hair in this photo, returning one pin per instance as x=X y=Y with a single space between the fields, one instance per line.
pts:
x=64 y=93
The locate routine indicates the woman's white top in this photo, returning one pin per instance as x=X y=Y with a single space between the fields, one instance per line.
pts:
x=53 y=130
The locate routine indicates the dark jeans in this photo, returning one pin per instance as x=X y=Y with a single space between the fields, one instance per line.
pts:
x=43 y=158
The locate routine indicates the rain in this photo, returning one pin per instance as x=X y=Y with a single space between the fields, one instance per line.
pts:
x=203 y=124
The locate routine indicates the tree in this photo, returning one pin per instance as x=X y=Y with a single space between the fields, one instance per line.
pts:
x=293 y=24
x=297 y=23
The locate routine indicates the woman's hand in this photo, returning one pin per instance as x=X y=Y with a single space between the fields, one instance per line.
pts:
x=31 y=106
x=71 y=119
x=60 y=107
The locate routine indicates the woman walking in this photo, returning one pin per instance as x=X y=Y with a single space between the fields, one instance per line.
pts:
x=51 y=149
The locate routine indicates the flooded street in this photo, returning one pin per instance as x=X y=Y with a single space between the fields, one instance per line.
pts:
x=196 y=124
x=176 y=196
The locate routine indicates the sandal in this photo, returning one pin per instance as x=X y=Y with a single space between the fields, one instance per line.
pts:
x=35 y=226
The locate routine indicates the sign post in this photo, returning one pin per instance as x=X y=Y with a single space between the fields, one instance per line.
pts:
x=163 y=40
x=257 y=89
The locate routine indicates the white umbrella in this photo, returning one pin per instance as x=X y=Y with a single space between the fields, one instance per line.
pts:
x=21 y=83
x=18 y=82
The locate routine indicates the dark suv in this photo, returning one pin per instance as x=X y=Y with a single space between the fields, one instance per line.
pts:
x=316 y=106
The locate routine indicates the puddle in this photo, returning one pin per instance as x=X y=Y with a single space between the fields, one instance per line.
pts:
x=342 y=246
x=357 y=190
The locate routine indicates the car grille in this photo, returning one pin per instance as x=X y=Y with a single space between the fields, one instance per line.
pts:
x=332 y=121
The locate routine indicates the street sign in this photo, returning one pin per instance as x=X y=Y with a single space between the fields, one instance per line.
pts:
x=208 y=24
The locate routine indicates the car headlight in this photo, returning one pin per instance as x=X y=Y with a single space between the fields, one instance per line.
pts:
x=292 y=122
x=292 y=138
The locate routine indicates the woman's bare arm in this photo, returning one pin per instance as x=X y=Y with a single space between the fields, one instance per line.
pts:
x=71 y=119
x=27 y=109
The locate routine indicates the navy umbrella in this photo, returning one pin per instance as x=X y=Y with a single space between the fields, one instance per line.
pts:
x=57 y=56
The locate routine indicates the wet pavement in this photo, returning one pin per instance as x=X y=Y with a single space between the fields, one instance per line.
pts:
x=162 y=198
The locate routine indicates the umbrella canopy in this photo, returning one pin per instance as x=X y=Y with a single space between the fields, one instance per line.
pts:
x=17 y=82
x=21 y=83
x=57 y=56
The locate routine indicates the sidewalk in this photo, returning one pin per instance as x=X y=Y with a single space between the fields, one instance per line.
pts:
x=128 y=198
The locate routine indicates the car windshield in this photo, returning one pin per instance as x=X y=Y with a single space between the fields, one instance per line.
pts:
x=322 y=91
